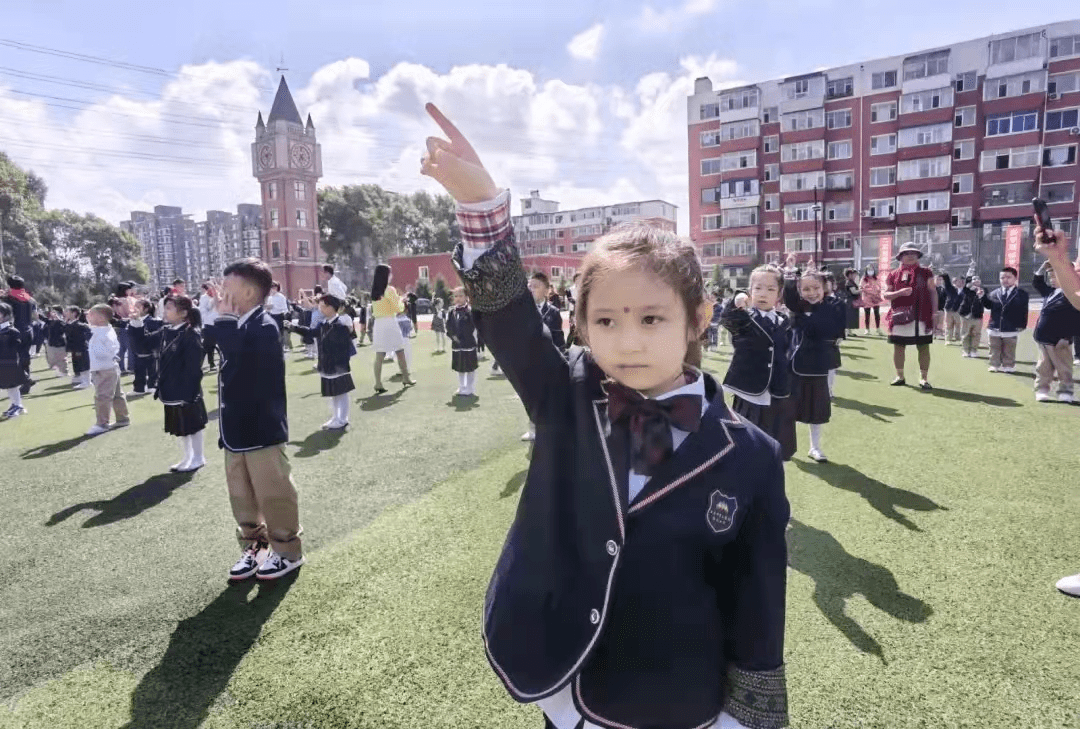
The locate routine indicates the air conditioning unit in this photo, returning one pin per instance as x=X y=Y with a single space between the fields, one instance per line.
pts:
x=1052 y=96
x=1075 y=131
x=868 y=213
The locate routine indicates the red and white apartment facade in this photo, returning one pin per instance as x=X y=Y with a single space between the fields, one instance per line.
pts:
x=550 y=240
x=926 y=148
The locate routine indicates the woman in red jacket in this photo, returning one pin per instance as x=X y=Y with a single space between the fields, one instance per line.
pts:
x=913 y=300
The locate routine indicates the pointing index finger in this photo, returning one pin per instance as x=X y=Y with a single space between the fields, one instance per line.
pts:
x=445 y=124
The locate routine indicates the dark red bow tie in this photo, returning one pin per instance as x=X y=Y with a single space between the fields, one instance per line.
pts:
x=650 y=422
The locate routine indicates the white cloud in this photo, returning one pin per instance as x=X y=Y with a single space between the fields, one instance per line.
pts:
x=662 y=21
x=586 y=45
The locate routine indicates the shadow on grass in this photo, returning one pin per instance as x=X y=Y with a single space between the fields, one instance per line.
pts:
x=377 y=402
x=851 y=355
x=126 y=504
x=50 y=392
x=51 y=449
x=1001 y=402
x=884 y=498
x=317 y=442
x=514 y=484
x=876 y=412
x=203 y=652
x=838 y=575
x=862 y=376
x=464 y=403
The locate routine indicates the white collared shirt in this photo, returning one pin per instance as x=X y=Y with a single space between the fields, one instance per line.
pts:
x=246 y=316
x=336 y=287
x=4 y=325
x=697 y=387
x=277 y=303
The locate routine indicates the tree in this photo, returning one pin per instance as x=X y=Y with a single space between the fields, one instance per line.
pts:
x=442 y=291
x=19 y=205
x=423 y=290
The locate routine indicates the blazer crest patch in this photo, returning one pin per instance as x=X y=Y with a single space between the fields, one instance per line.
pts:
x=721 y=513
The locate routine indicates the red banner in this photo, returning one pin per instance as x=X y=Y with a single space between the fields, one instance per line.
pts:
x=884 y=257
x=1014 y=241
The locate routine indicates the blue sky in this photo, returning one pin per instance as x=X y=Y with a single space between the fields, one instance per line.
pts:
x=609 y=120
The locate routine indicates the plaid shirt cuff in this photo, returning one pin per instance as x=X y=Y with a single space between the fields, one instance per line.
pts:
x=482 y=224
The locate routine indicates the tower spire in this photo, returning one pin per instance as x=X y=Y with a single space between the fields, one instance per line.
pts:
x=284 y=107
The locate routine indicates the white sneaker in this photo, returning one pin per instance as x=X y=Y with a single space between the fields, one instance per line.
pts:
x=79 y=386
x=249 y=561
x=1008 y=370
x=1043 y=397
x=1065 y=397
x=993 y=369
x=97 y=430
x=276 y=566
x=333 y=424
x=1069 y=585
x=191 y=466
x=866 y=333
x=529 y=436
x=816 y=455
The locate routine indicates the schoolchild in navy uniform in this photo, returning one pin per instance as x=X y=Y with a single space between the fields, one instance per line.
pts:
x=438 y=325
x=939 y=315
x=12 y=377
x=1058 y=323
x=335 y=348
x=37 y=337
x=540 y=286
x=759 y=376
x=812 y=349
x=1008 y=307
x=953 y=296
x=179 y=386
x=77 y=335
x=55 y=343
x=642 y=581
x=461 y=331
x=839 y=330
x=971 y=313
x=141 y=330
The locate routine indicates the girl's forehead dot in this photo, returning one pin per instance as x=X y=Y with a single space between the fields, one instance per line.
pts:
x=626 y=309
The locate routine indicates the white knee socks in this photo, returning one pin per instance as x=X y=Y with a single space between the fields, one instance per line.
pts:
x=185 y=450
x=463 y=382
x=832 y=381
x=195 y=448
x=15 y=395
x=470 y=383
x=340 y=408
x=815 y=437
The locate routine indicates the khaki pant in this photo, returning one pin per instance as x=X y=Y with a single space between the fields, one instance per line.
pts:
x=953 y=325
x=970 y=334
x=1054 y=359
x=264 y=499
x=56 y=357
x=939 y=323
x=1003 y=352
x=108 y=396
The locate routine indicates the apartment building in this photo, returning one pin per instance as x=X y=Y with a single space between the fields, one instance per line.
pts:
x=944 y=148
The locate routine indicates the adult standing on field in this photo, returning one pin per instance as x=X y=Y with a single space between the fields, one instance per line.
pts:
x=23 y=307
x=912 y=295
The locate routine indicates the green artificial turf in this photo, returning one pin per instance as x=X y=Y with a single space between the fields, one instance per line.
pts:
x=920 y=595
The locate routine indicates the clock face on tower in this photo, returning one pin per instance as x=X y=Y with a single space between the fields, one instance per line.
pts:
x=266 y=156
x=300 y=155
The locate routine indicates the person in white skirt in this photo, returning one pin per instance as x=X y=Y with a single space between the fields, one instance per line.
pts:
x=385 y=306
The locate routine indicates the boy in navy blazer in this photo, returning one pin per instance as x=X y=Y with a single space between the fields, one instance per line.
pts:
x=1008 y=307
x=141 y=341
x=1058 y=323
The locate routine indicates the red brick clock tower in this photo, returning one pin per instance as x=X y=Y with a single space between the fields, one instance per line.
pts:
x=287 y=161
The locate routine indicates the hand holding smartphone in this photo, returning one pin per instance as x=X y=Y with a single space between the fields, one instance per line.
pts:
x=1042 y=219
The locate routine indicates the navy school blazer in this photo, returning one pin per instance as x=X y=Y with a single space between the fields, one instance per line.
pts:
x=552 y=318
x=77 y=336
x=760 y=361
x=1058 y=319
x=180 y=367
x=813 y=330
x=971 y=306
x=460 y=327
x=54 y=333
x=1007 y=313
x=953 y=295
x=663 y=612
x=142 y=337
x=334 y=340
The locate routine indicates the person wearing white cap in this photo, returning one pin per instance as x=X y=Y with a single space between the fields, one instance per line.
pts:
x=912 y=296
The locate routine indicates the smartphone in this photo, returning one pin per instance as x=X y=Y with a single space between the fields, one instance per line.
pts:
x=1042 y=218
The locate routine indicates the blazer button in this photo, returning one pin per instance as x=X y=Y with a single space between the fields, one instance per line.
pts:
x=594 y=616
x=612 y=547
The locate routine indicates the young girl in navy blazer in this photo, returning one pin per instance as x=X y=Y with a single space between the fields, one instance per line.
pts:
x=77 y=341
x=813 y=348
x=333 y=338
x=642 y=581
x=759 y=377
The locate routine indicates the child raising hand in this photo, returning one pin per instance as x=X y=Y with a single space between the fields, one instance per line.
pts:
x=647 y=558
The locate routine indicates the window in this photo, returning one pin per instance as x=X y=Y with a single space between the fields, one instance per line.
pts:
x=275 y=249
x=772 y=144
x=711 y=166
x=1008 y=159
x=964 y=149
x=961 y=218
x=799 y=213
x=1064 y=83
x=740 y=246
x=1014 y=123
x=768 y=235
x=840 y=210
x=840 y=150
x=730 y=189
x=710 y=138
x=922 y=235
x=271 y=190
x=800 y=243
x=929 y=134
x=772 y=257
x=710 y=111
x=965 y=116
x=770 y=115
x=883 y=208
x=811 y=119
x=1012 y=193
x=739 y=160
x=839 y=180
x=840 y=242
x=556 y=271
x=963 y=184
x=1025 y=83
x=740 y=130
x=802 y=181
x=885 y=111
x=926 y=64
x=741 y=99
x=883 y=80
x=301 y=218
x=884 y=144
x=1059 y=156
x=840 y=119
x=1016 y=48
x=921 y=169
x=798 y=89
x=303 y=250
x=1059 y=192
x=922 y=202
x=300 y=190
x=1066 y=119
x=881 y=176
x=274 y=213
x=803 y=151
x=772 y=202
x=926 y=100
x=966 y=81
x=1068 y=45
x=710 y=222
x=772 y=172
x=840 y=88
x=739 y=217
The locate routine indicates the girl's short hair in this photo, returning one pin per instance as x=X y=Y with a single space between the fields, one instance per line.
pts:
x=330 y=300
x=145 y=305
x=661 y=253
x=769 y=268
x=187 y=307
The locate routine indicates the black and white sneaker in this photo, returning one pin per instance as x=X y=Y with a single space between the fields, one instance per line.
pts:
x=249 y=562
x=277 y=566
